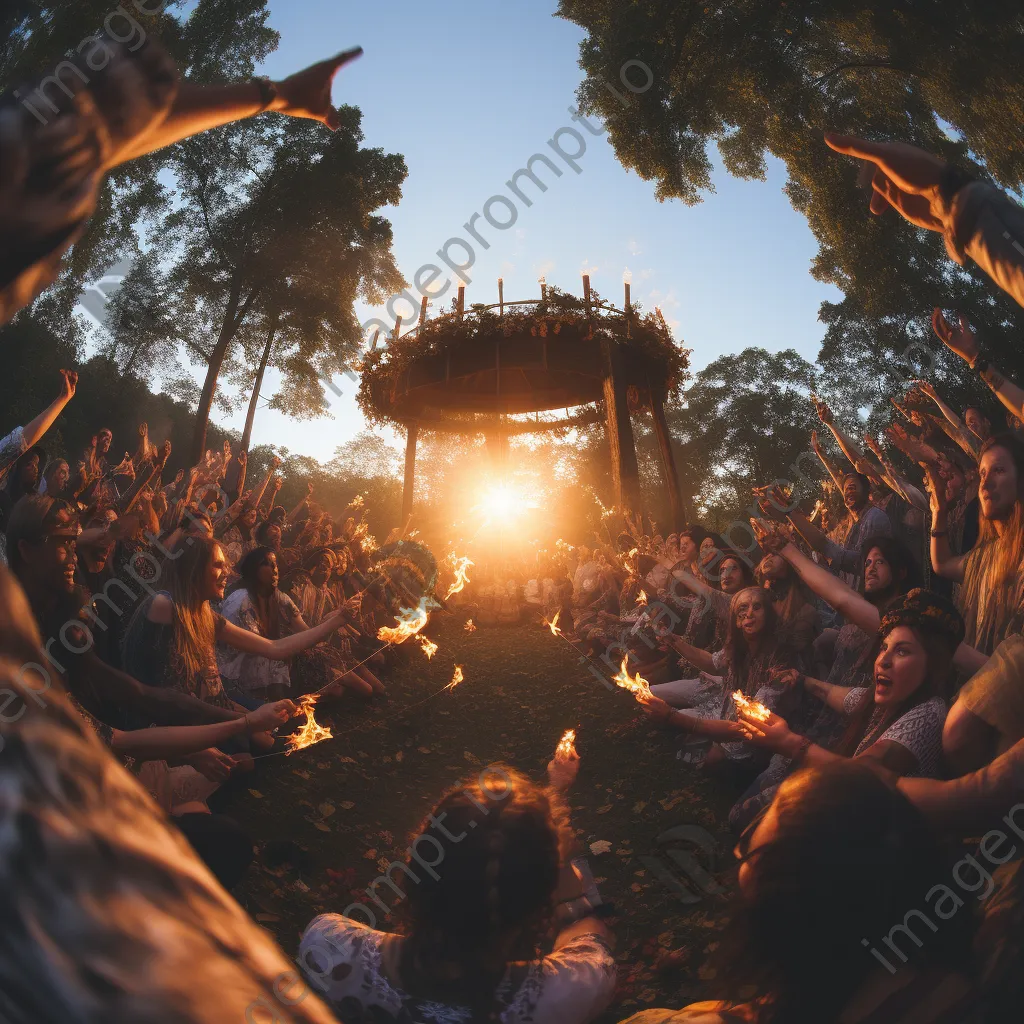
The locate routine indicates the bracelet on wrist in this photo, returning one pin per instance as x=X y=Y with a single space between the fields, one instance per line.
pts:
x=980 y=365
x=939 y=533
x=268 y=91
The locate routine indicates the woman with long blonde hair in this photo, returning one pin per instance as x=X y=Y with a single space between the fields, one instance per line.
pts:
x=991 y=595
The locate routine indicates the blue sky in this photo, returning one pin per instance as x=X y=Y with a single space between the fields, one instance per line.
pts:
x=468 y=95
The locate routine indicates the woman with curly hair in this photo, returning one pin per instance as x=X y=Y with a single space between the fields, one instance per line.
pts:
x=477 y=908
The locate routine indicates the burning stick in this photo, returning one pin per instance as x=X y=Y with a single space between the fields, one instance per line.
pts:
x=751 y=708
x=311 y=733
x=457 y=678
x=636 y=685
x=469 y=626
x=566 y=749
x=460 y=565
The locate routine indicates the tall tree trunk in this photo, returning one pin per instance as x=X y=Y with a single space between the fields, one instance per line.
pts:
x=233 y=317
x=257 y=384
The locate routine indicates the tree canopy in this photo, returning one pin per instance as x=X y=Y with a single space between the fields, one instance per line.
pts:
x=759 y=79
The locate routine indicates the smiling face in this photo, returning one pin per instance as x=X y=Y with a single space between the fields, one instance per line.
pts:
x=901 y=666
x=855 y=494
x=878 y=575
x=215 y=578
x=751 y=613
x=707 y=551
x=997 y=488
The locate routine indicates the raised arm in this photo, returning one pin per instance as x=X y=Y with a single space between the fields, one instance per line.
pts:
x=36 y=428
x=197 y=108
x=830 y=467
x=895 y=480
x=848 y=446
x=963 y=342
x=944 y=562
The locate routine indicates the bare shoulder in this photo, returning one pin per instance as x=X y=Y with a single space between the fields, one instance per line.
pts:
x=161 y=610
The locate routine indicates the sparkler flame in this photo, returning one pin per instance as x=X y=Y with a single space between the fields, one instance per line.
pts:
x=556 y=630
x=410 y=622
x=469 y=627
x=429 y=647
x=460 y=564
x=641 y=598
x=751 y=708
x=312 y=732
x=457 y=678
x=566 y=748
x=637 y=685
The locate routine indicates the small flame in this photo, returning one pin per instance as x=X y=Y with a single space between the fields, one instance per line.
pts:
x=556 y=630
x=368 y=543
x=751 y=708
x=469 y=626
x=636 y=685
x=356 y=502
x=457 y=678
x=409 y=622
x=312 y=732
x=460 y=564
x=641 y=598
x=566 y=748
x=429 y=647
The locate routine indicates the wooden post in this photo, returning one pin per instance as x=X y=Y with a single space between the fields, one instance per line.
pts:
x=625 y=472
x=423 y=311
x=629 y=314
x=410 y=470
x=501 y=297
x=398 y=327
x=543 y=289
x=586 y=294
x=373 y=343
x=670 y=472
x=462 y=300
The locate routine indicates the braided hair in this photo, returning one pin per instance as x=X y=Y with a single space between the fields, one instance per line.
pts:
x=490 y=900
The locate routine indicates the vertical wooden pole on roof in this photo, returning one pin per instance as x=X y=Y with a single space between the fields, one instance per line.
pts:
x=629 y=312
x=373 y=343
x=462 y=300
x=423 y=311
x=501 y=297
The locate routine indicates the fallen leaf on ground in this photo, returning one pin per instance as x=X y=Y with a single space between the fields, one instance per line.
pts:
x=599 y=847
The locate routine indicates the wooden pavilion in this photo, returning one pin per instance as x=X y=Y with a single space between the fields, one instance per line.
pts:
x=486 y=369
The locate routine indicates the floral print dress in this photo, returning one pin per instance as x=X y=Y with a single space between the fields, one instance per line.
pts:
x=342 y=960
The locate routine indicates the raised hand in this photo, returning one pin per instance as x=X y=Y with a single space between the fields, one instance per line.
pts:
x=960 y=340
x=773 y=734
x=275 y=461
x=823 y=411
x=907 y=178
x=68 y=385
x=936 y=489
x=165 y=453
x=308 y=93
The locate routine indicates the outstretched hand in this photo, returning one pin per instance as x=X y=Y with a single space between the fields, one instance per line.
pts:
x=906 y=178
x=308 y=93
x=772 y=734
x=960 y=340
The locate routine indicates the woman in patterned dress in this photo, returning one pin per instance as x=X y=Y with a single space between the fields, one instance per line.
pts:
x=497 y=849
x=897 y=721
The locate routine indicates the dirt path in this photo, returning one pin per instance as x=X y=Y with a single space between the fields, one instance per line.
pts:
x=353 y=802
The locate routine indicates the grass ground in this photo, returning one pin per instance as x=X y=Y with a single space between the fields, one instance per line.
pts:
x=352 y=803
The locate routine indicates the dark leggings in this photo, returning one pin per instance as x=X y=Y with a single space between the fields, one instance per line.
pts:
x=220 y=843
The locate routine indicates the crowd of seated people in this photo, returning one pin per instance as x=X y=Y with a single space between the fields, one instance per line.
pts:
x=892 y=726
